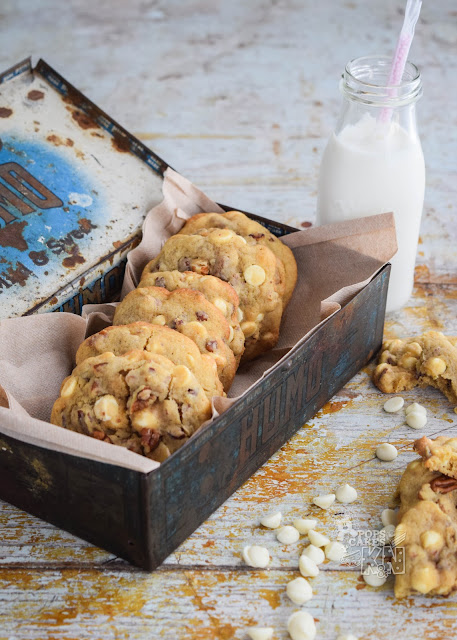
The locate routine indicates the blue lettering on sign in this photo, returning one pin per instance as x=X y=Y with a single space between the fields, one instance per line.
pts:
x=48 y=208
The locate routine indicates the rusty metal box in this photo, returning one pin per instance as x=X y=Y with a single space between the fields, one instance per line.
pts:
x=144 y=517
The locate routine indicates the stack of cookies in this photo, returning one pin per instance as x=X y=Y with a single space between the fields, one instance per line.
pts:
x=212 y=298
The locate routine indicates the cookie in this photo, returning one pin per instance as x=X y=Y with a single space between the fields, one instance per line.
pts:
x=254 y=233
x=439 y=454
x=253 y=271
x=154 y=338
x=429 y=359
x=140 y=400
x=218 y=292
x=188 y=312
x=427 y=532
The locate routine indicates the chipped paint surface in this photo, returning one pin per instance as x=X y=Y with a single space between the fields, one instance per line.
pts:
x=65 y=196
x=243 y=105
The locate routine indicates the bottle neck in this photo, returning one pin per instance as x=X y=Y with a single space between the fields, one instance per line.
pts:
x=352 y=112
x=366 y=92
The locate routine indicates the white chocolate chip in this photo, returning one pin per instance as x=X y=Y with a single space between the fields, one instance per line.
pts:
x=299 y=590
x=145 y=419
x=239 y=314
x=432 y=541
x=248 y=328
x=106 y=408
x=387 y=534
x=254 y=275
x=69 y=387
x=317 y=539
x=194 y=329
x=231 y=334
x=314 y=553
x=335 y=551
x=223 y=235
x=308 y=568
x=346 y=494
x=416 y=419
x=347 y=636
x=272 y=521
x=435 y=366
x=221 y=305
x=392 y=405
x=389 y=516
x=256 y=556
x=260 y=633
x=287 y=535
x=415 y=407
x=324 y=502
x=182 y=375
x=373 y=576
x=304 y=525
x=386 y=452
x=301 y=626
x=159 y=320
x=260 y=317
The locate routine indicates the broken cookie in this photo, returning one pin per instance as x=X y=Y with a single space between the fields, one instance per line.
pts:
x=429 y=359
x=427 y=530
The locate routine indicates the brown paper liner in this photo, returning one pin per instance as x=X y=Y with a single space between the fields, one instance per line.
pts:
x=37 y=352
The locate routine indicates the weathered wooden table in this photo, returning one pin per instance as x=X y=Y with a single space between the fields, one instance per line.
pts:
x=240 y=97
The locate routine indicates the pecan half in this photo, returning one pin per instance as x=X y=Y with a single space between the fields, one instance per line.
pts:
x=443 y=484
x=184 y=264
x=176 y=323
x=211 y=345
x=422 y=447
x=160 y=282
x=150 y=439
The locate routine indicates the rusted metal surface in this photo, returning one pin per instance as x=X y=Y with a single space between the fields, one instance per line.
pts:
x=74 y=190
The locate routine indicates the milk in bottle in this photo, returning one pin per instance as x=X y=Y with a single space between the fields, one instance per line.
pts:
x=373 y=165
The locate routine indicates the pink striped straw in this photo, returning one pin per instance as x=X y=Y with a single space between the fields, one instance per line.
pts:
x=405 y=39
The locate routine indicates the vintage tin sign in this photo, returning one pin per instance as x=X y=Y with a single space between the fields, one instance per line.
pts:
x=74 y=190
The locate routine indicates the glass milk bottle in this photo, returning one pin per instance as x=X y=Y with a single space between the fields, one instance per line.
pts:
x=373 y=162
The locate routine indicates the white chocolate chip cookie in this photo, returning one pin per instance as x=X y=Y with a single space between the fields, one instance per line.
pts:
x=254 y=233
x=188 y=312
x=156 y=339
x=254 y=272
x=139 y=400
x=218 y=292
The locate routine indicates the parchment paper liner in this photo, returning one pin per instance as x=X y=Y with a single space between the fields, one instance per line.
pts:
x=36 y=352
